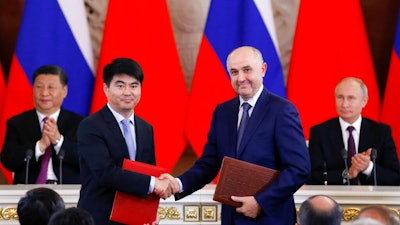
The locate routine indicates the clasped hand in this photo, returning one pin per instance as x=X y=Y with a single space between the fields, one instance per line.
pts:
x=165 y=186
x=50 y=134
x=359 y=163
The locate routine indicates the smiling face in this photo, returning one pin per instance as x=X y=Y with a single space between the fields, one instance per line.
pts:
x=48 y=93
x=350 y=99
x=247 y=70
x=123 y=94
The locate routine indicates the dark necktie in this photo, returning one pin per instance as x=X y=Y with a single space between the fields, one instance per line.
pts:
x=351 y=151
x=41 y=179
x=351 y=146
x=129 y=139
x=243 y=122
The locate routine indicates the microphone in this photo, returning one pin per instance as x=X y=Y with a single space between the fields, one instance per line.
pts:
x=325 y=174
x=374 y=152
x=60 y=156
x=28 y=157
x=345 y=173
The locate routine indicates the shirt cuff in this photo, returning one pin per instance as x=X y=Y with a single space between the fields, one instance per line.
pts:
x=368 y=171
x=38 y=153
x=151 y=186
x=180 y=185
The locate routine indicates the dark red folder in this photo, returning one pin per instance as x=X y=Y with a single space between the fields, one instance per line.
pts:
x=132 y=210
x=240 y=178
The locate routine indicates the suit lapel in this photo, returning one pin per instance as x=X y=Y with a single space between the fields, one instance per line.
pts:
x=363 y=142
x=138 y=133
x=335 y=134
x=115 y=131
x=255 y=119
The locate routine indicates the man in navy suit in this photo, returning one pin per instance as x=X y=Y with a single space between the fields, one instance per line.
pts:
x=29 y=131
x=329 y=139
x=102 y=146
x=272 y=138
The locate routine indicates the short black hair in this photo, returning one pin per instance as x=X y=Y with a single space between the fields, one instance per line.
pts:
x=122 y=66
x=71 y=216
x=52 y=70
x=37 y=205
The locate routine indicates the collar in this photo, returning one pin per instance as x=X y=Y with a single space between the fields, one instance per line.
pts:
x=55 y=115
x=252 y=101
x=119 y=117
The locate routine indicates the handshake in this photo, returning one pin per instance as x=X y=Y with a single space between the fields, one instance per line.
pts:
x=166 y=185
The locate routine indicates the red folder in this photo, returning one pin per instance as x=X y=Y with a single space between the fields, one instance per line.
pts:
x=132 y=210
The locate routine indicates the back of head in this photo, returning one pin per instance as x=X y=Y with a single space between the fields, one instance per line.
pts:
x=366 y=221
x=122 y=66
x=380 y=213
x=71 y=216
x=320 y=210
x=38 y=204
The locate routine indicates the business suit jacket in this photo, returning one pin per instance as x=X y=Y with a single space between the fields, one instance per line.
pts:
x=273 y=138
x=326 y=144
x=23 y=131
x=102 y=148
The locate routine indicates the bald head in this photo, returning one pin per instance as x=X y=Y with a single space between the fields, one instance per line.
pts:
x=320 y=210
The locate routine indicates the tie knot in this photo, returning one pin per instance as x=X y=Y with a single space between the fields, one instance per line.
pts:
x=350 y=129
x=246 y=106
x=125 y=122
x=44 y=119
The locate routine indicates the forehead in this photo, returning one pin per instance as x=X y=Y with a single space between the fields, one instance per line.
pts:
x=125 y=78
x=349 y=87
x=241 y=58
x=47 y=78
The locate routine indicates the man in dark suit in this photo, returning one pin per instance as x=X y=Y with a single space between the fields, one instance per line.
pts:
x=48 y=126
x=272 y=138
x=328 y=143
x=103 y=146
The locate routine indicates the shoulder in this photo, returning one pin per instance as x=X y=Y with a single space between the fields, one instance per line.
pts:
x=71 y=115
x=141 y=122
x=372 y=124
x=27 y=115
x=326 y=125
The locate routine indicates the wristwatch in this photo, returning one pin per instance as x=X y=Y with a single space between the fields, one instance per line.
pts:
x=57 y=141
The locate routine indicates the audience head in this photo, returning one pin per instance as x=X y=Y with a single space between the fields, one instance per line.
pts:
x=351 y=96
x=247 y=69
x=38 y=204
x=49 y=88
x=380 y=213
x=320 y=210
x=71 y=216
x=366 y=221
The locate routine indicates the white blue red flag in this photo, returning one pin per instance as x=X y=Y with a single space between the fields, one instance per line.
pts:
x=391 y=103
x=51 y=32
x=230 y=24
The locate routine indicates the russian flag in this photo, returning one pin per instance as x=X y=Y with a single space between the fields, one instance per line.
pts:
x=51 y=32
x=230 y=24
x=391 y=103
x=327 y=48
x=142 y=30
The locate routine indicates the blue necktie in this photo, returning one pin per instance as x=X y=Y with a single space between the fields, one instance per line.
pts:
x=129 y=138
x=243 y=122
